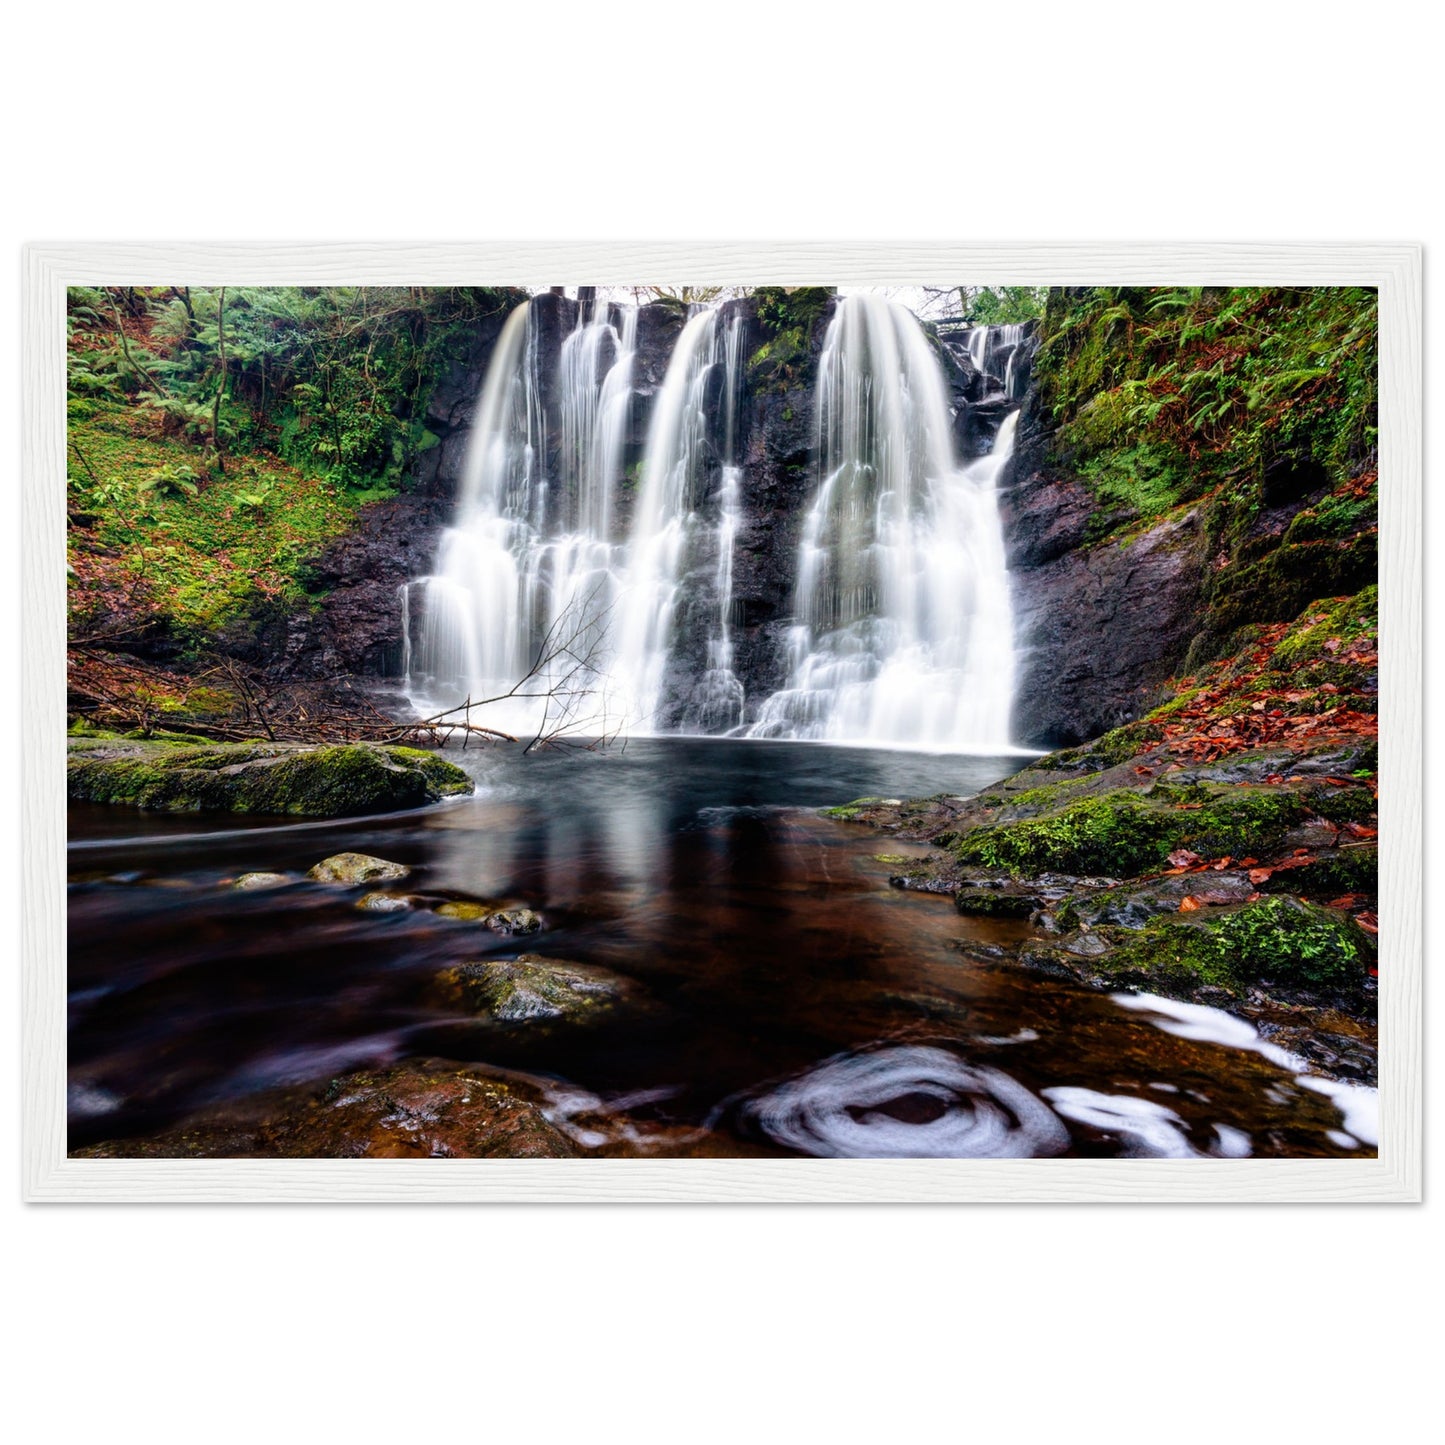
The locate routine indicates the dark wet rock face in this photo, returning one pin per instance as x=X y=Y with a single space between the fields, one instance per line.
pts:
x=1097 y=627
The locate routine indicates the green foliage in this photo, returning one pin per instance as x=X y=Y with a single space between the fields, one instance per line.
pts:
x=788 y=308
x=1159 y=394
x=336 y=377
x=175 y=479
x=1002 y=305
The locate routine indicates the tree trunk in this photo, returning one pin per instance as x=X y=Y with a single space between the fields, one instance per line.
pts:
x=221 y=383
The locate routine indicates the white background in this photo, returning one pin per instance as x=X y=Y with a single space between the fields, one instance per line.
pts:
x=1249 y=121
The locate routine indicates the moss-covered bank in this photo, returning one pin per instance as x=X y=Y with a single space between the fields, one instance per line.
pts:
x=275 y=778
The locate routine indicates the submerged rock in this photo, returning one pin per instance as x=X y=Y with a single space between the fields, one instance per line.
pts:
x=514 y=920
x=533 y=987
x=386 y=902
x=261 y=880
x=466 y=911
x=278 y=778
x=416 y=1111
x=352 y=868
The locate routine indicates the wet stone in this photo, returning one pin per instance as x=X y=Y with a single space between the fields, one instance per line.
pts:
x=354 y=868
x=533 y=987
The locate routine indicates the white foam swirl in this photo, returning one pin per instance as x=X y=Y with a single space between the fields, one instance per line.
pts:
x=907 y=1102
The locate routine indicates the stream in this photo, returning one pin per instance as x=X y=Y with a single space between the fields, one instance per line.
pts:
x=796 y=1003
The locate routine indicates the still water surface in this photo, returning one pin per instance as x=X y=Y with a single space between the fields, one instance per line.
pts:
x=795 y=1003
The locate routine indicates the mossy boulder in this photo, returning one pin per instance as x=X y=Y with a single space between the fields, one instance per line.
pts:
x=261 y=880
x=1280 y=942
x=271 y=778
x=1124 y=833
x=354 y=868
x=533 y=987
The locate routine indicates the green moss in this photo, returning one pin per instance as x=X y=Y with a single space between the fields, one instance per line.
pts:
x=1113 y=834
x=1331 y=875
x=1343 y=805
x=1122 y=834
x=1279 y=941
x=847 y=812
x=241 y=778
x=1336 y=618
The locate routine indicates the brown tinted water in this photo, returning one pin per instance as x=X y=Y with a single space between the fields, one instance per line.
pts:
x=789 y=999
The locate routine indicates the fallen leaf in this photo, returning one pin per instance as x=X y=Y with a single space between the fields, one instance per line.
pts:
x=1260 y=875
x=1220 y=864
x=1368 y=922
x=1183 y=858
x=1188 y=904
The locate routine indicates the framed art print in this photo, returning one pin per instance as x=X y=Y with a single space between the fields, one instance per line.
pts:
x=749 y=722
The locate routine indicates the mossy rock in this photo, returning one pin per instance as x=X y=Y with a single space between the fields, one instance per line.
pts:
x=998 y=903
x=466 y=911
x=325 y=782
x=1123 y=834
x=850 y=812
x=1331 y=875
x=534 y=988
x=261 y=880
x=1272 y=942
x=354 y=868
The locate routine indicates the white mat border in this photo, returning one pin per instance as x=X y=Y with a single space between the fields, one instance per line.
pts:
x=1395 y=269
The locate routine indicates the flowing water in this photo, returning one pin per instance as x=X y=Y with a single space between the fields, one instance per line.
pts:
x=530 y=568
x=789 y=1001
x=903 y=628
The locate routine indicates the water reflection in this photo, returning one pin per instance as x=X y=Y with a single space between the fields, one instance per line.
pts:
x=761 y=943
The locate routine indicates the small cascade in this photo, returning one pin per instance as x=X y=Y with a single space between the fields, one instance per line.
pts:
x=904 y=628
x=530 y=560
x=996 y=351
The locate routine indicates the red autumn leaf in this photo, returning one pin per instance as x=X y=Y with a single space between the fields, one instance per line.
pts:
x=1368 y=922
x=1361 y=831
x=1182 y=858
x=1220 y=864
x=1188 y=904
x=1260 y=875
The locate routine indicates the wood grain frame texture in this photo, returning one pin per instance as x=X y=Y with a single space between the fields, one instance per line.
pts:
x=1395 y=1176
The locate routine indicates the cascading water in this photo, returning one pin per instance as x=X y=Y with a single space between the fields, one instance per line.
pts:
x=717 y=702
x=904 y=628
x=670 y=536
x=529 y=561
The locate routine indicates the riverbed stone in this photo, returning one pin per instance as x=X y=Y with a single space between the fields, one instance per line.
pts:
x=509 y=921
x=261 y=880
x=354 y=868
x=387 y=902
x=422 y=1110
x=532 y=987
x=466 y=910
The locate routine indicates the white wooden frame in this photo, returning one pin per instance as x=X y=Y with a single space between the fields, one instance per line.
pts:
x=1394 y=1176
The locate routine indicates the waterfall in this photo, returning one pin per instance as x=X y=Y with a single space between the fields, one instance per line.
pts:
x=529 y=559
x=718 y=700
x=902 y=633
x=670 y=536
x=903 y=630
